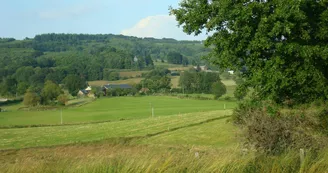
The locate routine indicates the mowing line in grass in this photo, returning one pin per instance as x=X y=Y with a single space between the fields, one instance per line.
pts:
x=48 y=136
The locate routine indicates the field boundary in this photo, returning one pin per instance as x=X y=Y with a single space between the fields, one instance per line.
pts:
x=54 y=125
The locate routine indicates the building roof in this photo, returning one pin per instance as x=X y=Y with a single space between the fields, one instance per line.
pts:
x=135 y=59
x=122 y=86
x=84 y=91
x=88 y=88
x=3 y=100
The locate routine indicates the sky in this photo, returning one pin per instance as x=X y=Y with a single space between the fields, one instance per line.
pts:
x=141 y=18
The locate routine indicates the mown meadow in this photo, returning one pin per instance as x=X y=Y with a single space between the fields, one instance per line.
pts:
x=113 y=109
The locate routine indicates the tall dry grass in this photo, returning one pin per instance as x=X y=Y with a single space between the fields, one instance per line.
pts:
x=142 y=158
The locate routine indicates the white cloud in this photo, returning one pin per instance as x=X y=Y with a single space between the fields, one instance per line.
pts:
x=159 y=26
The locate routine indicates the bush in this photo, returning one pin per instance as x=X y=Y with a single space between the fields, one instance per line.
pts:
x=240 y=92
x=31 y=99
x=62 y=99
x=121 y=92
x=272 y=131
x=218 y=89
x=227 y=98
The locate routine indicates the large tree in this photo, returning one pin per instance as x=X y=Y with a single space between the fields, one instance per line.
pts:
x=50 y=92
x=74 y=83
x=281 y=43
x=31 y=98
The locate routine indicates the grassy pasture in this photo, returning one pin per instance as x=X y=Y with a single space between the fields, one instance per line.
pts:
x=207 y=147
x=113 y=109
x=55 y=135
x=229 y=82
x=215 y=134
x=175 y=81
x=171 y=66
x=141 y=155
x=104 y=82
x=131 y=73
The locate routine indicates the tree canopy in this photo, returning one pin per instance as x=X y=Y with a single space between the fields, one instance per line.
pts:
x=74 y=83
x=198 y=82
x=281 y=43
x=92 y=57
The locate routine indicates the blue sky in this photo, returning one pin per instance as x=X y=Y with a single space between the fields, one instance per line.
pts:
x=141 y=18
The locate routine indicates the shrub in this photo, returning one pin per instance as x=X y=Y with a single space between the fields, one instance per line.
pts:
x=218 y=89
x=227 y=98
x=240 y=92
x=272 y=131
x=31 y=99
x=62 y=99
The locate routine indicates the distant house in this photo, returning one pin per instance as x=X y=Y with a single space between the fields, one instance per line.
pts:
x=135 y=59
x=88 y=88
x=202 y=68
x=3 y=100
x=230 y=71
x=86 y=92
x=116 y=86
x=175 y=73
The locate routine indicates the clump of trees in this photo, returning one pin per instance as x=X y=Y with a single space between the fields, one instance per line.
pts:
x=156 y=80
x=177 y=58
x=31 y=98
x=116 y=92
x=74 y=83
x=218 y=89
x=50 y=92
x=202 y=82
x=48 y=95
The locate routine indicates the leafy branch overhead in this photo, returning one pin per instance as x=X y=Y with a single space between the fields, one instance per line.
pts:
x=282 y=44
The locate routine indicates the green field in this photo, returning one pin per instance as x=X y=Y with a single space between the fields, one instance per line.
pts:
x=100 y=83
x=113 y=109
x=48 y=136
x=171 y=66
x=185 y=135
x=143 y=145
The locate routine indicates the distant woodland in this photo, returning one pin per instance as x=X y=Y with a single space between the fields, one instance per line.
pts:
x=32 y=61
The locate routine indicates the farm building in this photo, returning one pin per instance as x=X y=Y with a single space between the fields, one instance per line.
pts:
x=86 y=92
x=201 y=68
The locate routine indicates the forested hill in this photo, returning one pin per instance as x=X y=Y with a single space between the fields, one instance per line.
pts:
x=156 y=48
x=91 y=57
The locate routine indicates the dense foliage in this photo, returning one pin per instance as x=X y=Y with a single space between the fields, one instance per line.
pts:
x=74 y=83
x=176 y=58
x=218 y=89
x=30 y=62
x=282 y=43
x=201 y=82
x=156 y=80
